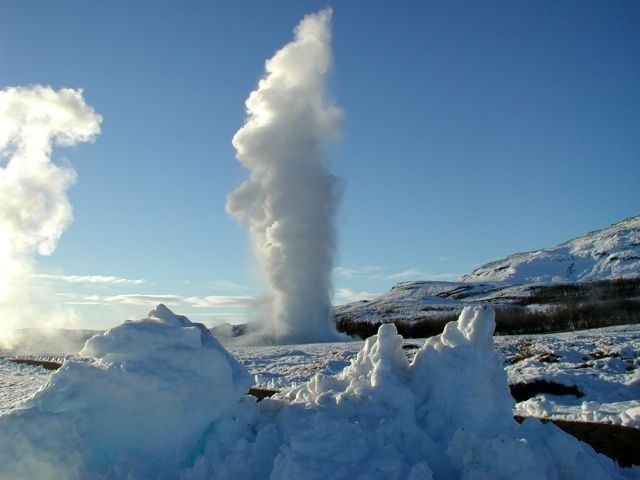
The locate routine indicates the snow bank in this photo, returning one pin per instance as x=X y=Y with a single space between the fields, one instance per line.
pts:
x=624 y=413
x=138 y=410
x=164 y=400
x=446 y=415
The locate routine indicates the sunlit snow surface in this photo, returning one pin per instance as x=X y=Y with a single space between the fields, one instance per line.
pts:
x=164 y=400
x=611 y=383
x=18 y=383
x=603 y=363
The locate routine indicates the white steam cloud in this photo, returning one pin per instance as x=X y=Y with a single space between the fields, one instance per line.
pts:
x=290 y=199
x=34 y=209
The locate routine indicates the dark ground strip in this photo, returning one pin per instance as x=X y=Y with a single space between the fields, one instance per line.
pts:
x=36 y=363
x=619 y=443
x=524 y=391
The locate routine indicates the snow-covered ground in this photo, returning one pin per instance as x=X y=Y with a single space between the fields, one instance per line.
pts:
x=18 y=383
x=604 y=364
x=161 y=398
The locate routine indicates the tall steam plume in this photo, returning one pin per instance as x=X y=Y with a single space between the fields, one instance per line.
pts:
x=290 y=199
x=34 y=210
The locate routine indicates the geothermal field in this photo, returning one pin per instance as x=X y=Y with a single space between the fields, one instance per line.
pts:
x=285 y=395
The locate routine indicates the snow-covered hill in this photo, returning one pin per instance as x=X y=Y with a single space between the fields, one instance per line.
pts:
x=411 y=301
x=612 y=252
x=527 y=282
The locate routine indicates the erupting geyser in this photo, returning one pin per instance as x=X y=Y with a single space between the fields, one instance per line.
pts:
x=290 y=199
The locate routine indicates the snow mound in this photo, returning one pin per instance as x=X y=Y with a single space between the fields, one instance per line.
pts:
x=164 y=400
x=446 y=415
x=608 y=253
x=137 y=410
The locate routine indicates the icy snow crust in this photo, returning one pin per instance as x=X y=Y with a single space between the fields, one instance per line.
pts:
x=163 y=399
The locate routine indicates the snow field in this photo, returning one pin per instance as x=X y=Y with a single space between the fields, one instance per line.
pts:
x=18 y=383
x=604 y=364
x=163 y=399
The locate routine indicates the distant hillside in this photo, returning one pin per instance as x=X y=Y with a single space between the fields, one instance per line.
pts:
x=590 y=281
x=612 y=252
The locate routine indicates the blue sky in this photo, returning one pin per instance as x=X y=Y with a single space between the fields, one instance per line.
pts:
x=472 y=130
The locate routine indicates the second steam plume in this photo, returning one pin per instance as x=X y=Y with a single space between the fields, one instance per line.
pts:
x=34 y=208
x=290 y=200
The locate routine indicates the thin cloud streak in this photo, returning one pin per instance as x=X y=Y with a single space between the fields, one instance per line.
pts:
x=139 y=299
x=142 y=299
x=410 y=274
x=89 y=279
x=367 y=271
x=222 y=301
x=346 y=295
x=227 y=285
x=415 y=274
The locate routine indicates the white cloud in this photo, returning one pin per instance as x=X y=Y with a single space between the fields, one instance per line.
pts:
x=346 y=295
x=227 y=285
x=411 y=274
x=220 y=315
x=222 y=301
x=85 y=302
x=415 y=274
x=142 y=299
x=90 y=279
x=139 y=299
x=368 y=271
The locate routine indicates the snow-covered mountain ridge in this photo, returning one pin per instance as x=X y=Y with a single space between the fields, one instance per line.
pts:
x=522 y=285
x=612 y=252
